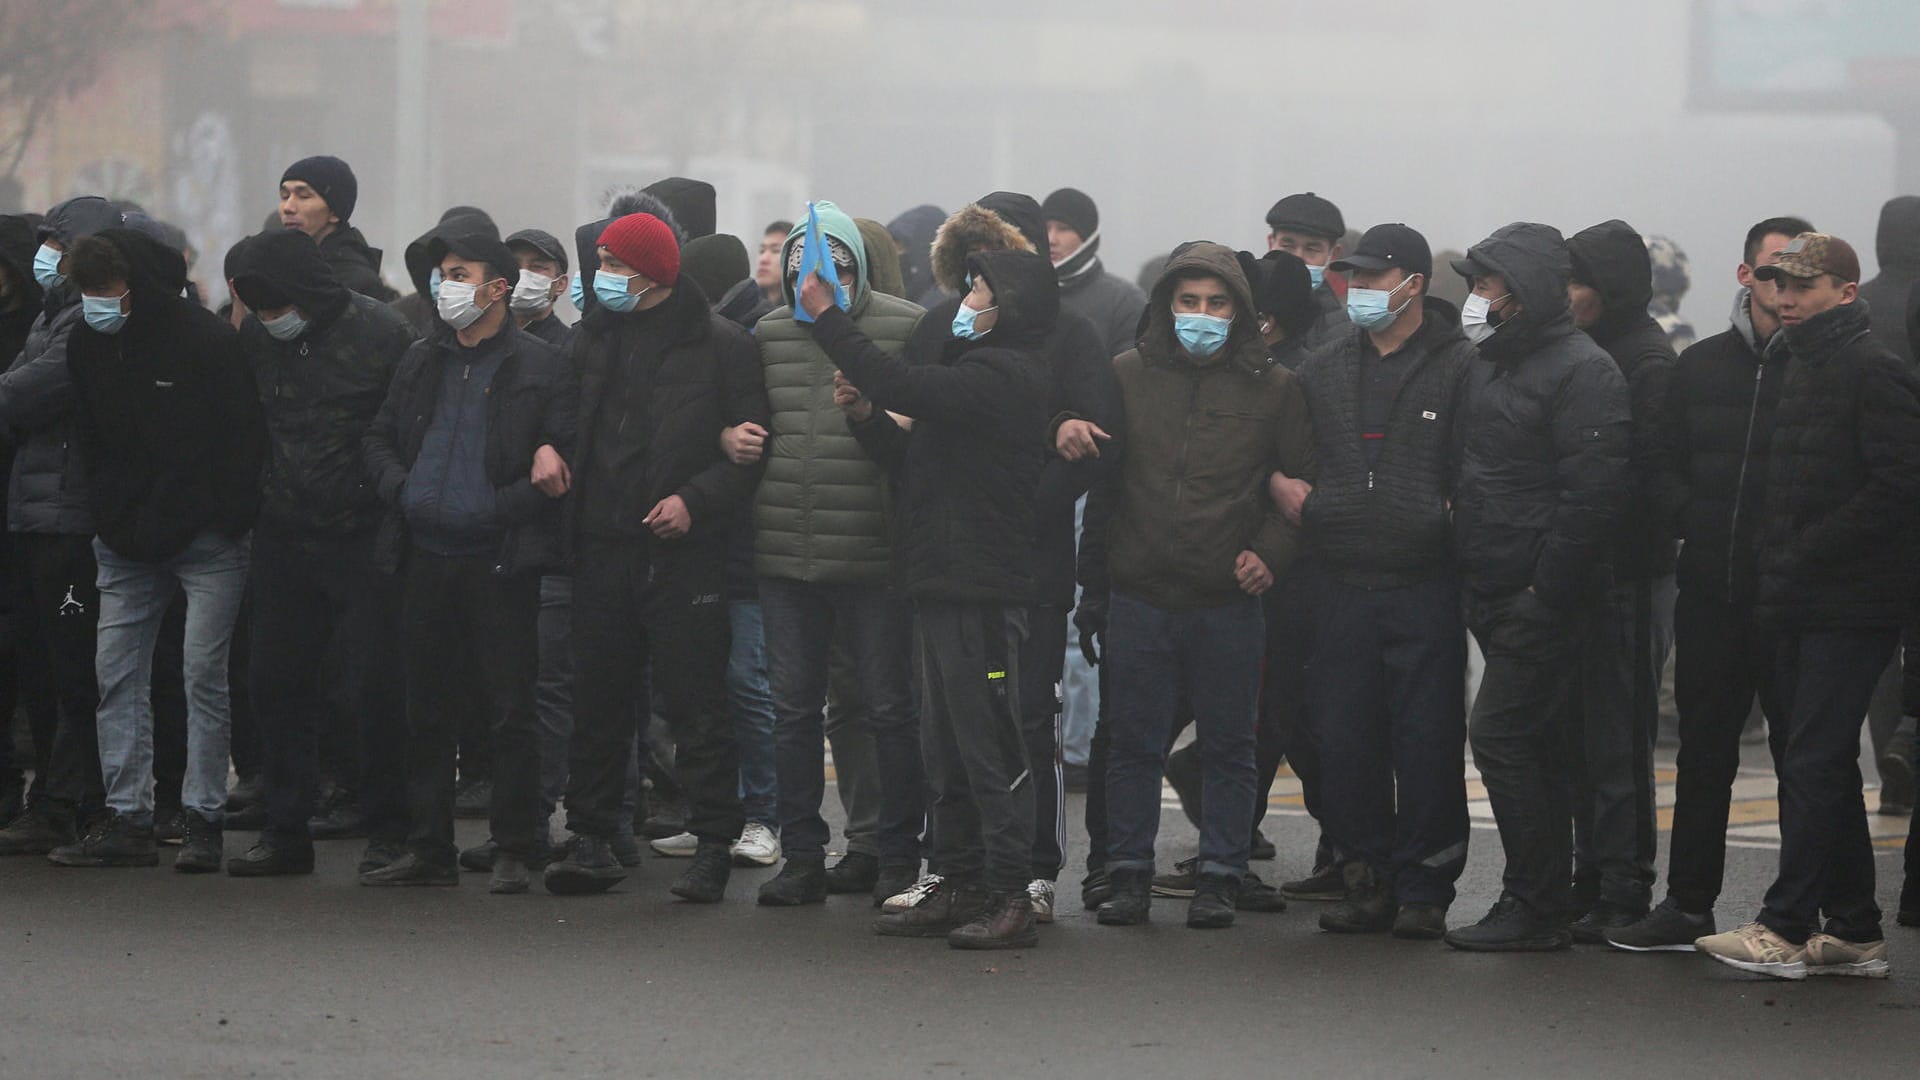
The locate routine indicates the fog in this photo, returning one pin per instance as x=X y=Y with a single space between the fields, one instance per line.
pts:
x=1182 y=120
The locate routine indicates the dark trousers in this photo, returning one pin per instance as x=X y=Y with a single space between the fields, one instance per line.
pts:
x=459 y=616
x=1283 y=693
x=646 y=631
x=971 y=739
x=1215 y=654
x=802 y=621
x=1611 y=752
x=1723 y=661
x=312 y=595
x=57 y=607
x=1043 y=659
x=1098 y=751
x=1386 y=714
x=1826 y=854
x=1518 y=732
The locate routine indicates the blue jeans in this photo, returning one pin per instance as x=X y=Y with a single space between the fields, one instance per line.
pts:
x=1079 y=684
x=133 y=600
x=751 y=700
x=1152 y=653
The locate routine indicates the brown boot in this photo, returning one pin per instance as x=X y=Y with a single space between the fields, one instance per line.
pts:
x=945 y=908
x=1005 y=922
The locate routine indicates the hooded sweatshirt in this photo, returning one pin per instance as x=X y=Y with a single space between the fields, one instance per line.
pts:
x=1897 y=247
x=1548 y=434
x=1614 y=259
x=1205 y=433
x=419 y=309
x=913 y=232
x=883 y=262
x=168 y=415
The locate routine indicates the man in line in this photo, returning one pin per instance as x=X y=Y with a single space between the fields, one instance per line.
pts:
x=543 y=277
x=317 y=197
x=1113 y=304
x=1310 y=227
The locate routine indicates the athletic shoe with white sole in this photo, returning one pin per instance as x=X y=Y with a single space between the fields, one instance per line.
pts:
x=1040 y=897
x=1829 y=955
x=922 y=891
x=1755 y=948
x=757 y=846
x=677 y=846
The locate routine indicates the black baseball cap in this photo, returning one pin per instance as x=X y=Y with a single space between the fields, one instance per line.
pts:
x=542 y=242
x=1387 y=246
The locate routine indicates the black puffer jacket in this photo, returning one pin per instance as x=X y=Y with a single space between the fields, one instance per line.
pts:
x=321 y=391
x=1838 y=543
x=971 y=464
x=1720 y=428
x=356 y=264
x=1388 y=525
x=532 y=403
x=1544 y=465
x=1897 y=247
x=1613 y=258
x=167 y=413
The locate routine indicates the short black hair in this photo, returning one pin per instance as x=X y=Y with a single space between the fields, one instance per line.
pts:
x=782 y=227
x=95 y=263
x=1784 y=226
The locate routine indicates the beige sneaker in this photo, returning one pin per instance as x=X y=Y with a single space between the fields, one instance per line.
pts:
x=1755 y=948
x=1829 y=955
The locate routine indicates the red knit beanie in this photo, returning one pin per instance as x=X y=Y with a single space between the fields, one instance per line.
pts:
x=645 y=243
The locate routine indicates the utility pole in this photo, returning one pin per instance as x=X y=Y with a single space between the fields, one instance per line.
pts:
x=410 y=118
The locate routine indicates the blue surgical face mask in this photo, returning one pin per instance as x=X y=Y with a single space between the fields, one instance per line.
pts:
x=1317 y=274
x=46 y=267
x=1368 y=310
x=963 y=321
x=611 y=289
x=433 y=285
x=577 y=292
x=1201 y=335
x=103 y=312
x=286 y=327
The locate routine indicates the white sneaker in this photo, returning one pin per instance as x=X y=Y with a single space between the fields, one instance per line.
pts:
x=1040 y=895
x=677 y=846
x=919 y=893
x=757 y=846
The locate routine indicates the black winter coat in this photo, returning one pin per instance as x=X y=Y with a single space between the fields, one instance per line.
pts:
x=532 y=403
x=167 y=414
x=1838 y=543
x=1897 y=249
x=1548 y=431
x=356 y=264
x=1387 y=526
x=971 y=466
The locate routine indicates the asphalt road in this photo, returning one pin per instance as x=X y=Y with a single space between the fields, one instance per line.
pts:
x=150 y=973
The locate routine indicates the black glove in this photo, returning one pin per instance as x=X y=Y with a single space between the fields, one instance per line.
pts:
x=1090 y=618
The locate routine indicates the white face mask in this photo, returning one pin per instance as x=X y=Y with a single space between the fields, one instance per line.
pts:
x=456 y=304
x=533 y=292
x=1473 y=317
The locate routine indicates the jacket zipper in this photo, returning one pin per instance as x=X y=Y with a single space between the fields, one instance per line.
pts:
x=1740 y=485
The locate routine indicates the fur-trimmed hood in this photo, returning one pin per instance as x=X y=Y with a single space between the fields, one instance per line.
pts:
x=971 y=228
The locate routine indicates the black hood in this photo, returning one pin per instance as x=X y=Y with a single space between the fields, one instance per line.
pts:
x=1025 y=292
x=460 y=221
x=286 y=267
x=156 y=274
x=1533 y=259
x=1021 y=212
x=692 y=203
x=78 y=218
x=586 y=246
x=1613 y=258
x=1897 y=244
x=716 y=263
x=19 y=240
x=913 y=233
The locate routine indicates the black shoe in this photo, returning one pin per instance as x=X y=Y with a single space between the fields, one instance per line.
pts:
x=380 y=853
x=340 y=818
x=1132 y=898
x=269 y=857
x=479 y=859
x=1593 y=927
x=893 y=879
x=946 y=908
x=1005 y=921
x=665 y=817
x=1511 y=926
x=1664 y=929
x=13 y=797
x=856 y=872
x=411 y=869
x=249 y=818
x=1324 y=884
x=169 y=825
x=800 y=881
x=1420 y=922
x=1183 y=775
x=587 y=865
x=510 y=875
x=1262 y=848
x=1074 y=777
x=250 y=791
x=705 y=881
x=1095 y=889
x=1212 y=905
x=38 y=831
x=1179 y=882
x=113 y=840
x=625 y=848
x=1257 y=895
x=473 y=799
x=1368 y=907
x=204 y=847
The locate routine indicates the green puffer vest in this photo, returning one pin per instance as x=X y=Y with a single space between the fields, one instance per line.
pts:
x=820 y=514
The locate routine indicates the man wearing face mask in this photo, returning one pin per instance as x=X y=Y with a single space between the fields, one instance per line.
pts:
x=167 y=413
x=468 y=455
x=543 y=277
x=649 y=528
x=418 y=308
x=1193 y=543
x=322 y=358
x=1543 y=480
x=1385 y=710
x=1310 y=227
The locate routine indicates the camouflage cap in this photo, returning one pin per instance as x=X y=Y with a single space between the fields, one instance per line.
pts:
x=1811 y=254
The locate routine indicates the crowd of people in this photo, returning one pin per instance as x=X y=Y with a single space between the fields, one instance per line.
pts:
x=391 y=561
